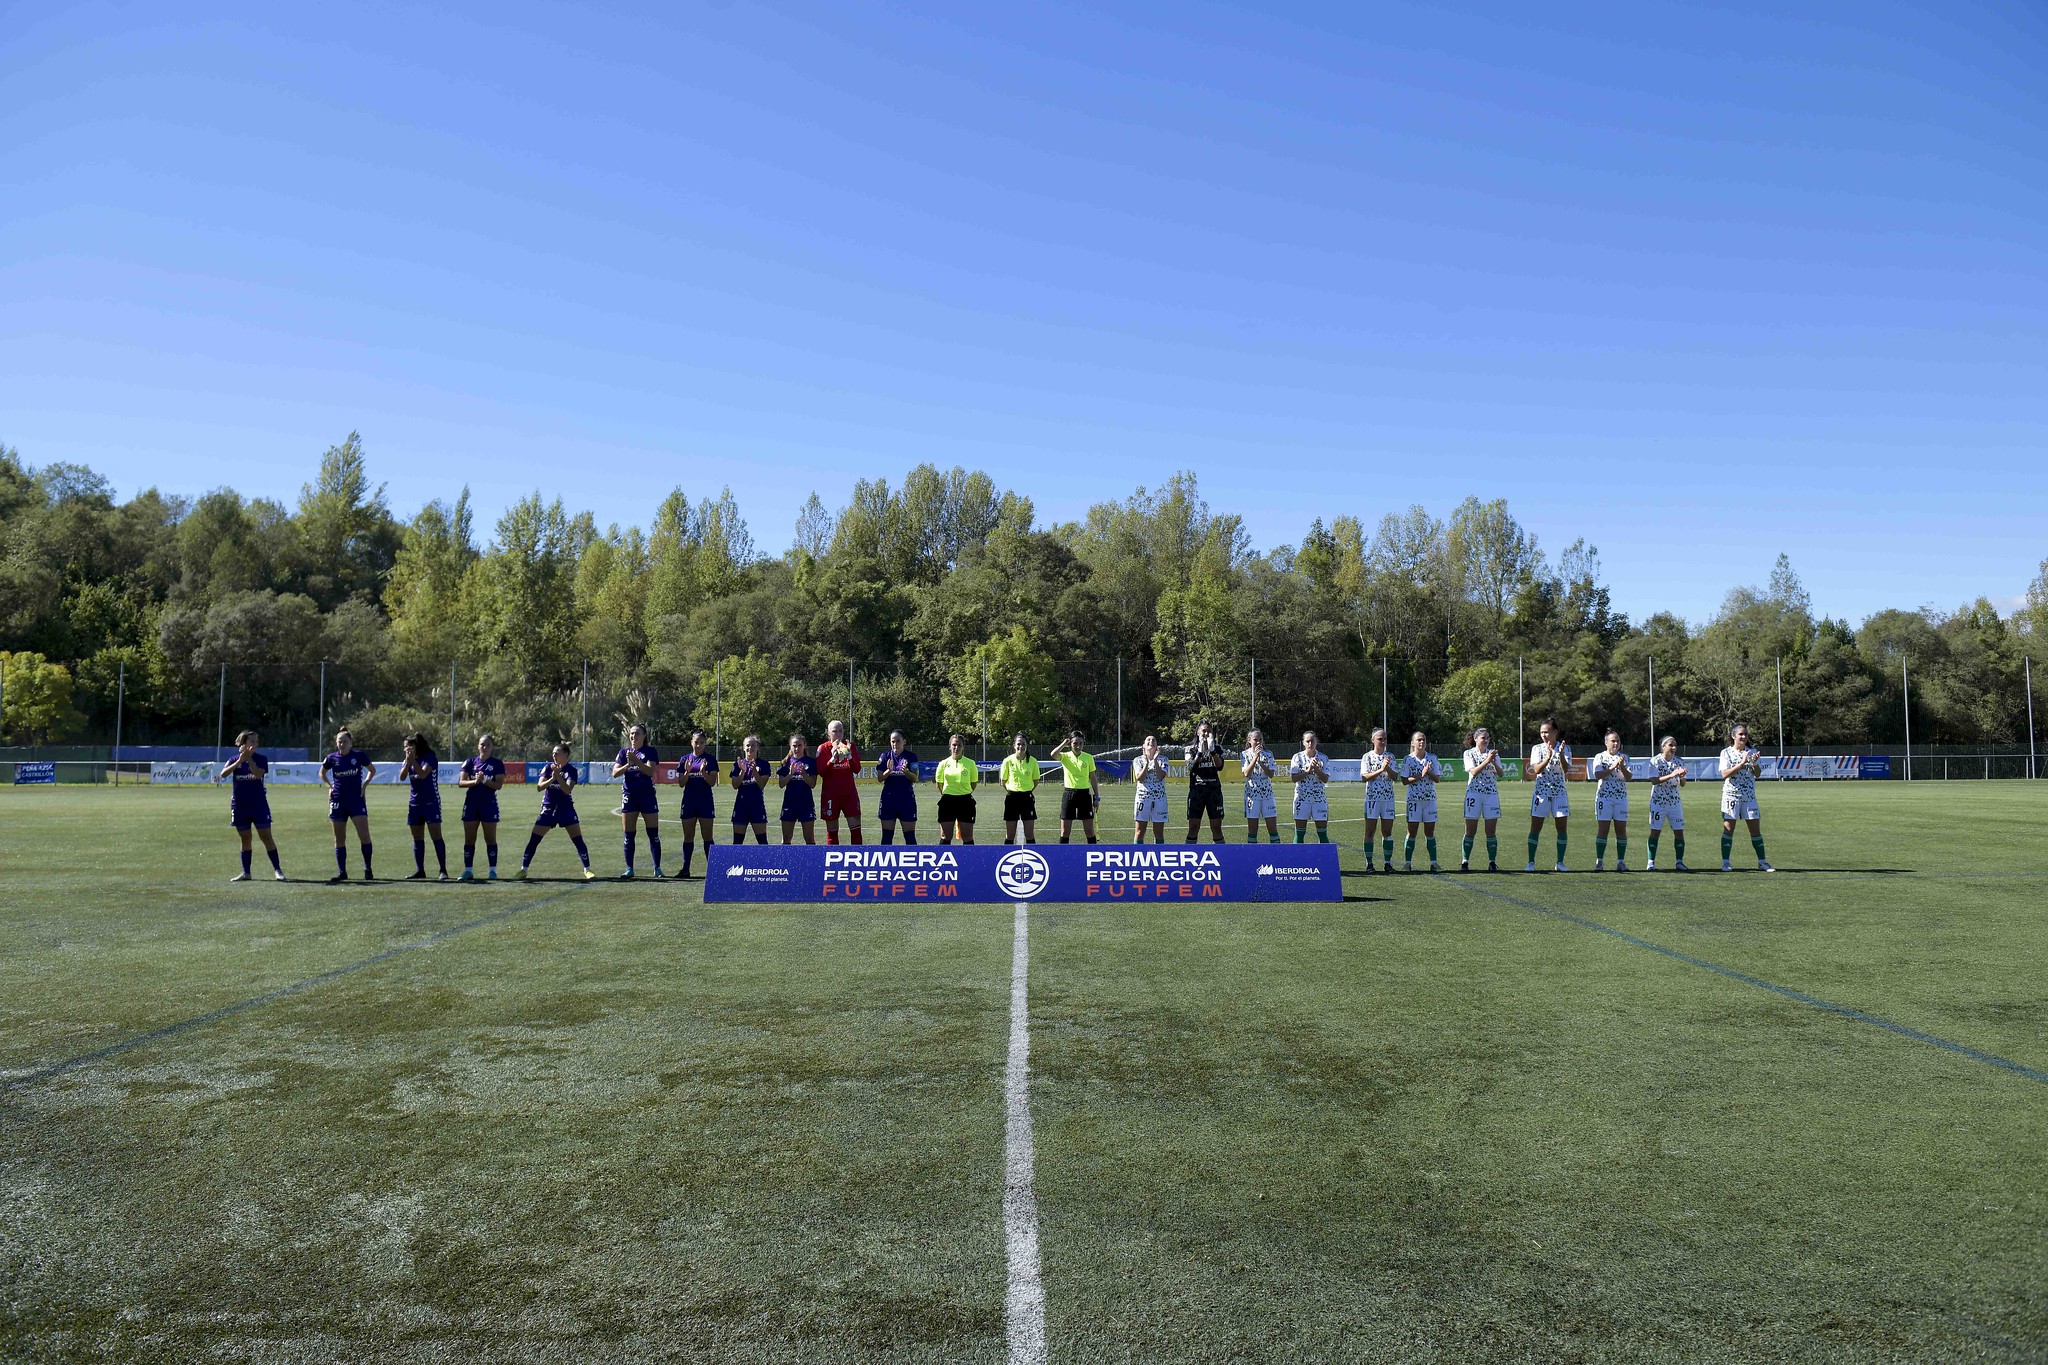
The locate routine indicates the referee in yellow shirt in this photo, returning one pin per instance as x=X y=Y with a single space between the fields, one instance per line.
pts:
x=955 y=780
x=1082 y=792
x=1020 y=791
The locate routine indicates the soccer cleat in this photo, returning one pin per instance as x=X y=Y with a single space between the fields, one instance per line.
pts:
x=1727 y=866
x=1530 y=868
x=369 y=876
x=658 y=874
x=492 y=875
x=627 y=875
x=520 y=875
x=468 y=875
x=1560 y=868
x=419 y=876
x=1599 y=864
x=1434 y=868
x=337 y=879
x=1650 y=865
x=1464 y=867
x=588 y=875
x=239 y=877
x=278 y=873
x=1763 y=866
x=1681 y=867
x=1387 y=868
x=442 y=878
x=1620 y=866
x=1407 y=866
x=1493 y=867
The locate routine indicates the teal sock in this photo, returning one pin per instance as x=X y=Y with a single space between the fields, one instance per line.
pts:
x=1678 y=843
x=1560 y=848
x=1532 y=846
x=1430 y=841
x=1408 y=849
x=1599 y=849
x=1274 y=837
x=1727 y=846
x=1387 y=852
x=1620 y=850
x=1323 y=836
x=1300 y=835
x=1756 y=841
x=1492 y=849
x=1467 y=854
x=1653 y=845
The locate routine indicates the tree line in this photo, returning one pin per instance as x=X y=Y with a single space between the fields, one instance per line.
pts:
x=936 y=592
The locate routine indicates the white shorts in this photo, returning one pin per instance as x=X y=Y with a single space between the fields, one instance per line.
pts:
x=1379 y=803
x=1151 y=808
x=1421 y=809
x=1614 y=807
x=1672 y=815
x=1260 y=805
x=1482 y=805
x=1552 y=807
x=1308 y=807
x=1735 y=807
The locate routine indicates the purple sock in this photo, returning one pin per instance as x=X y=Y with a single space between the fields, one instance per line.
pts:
x=245 y=862
x=632 y=841
x=582 y=850
x=341 y=859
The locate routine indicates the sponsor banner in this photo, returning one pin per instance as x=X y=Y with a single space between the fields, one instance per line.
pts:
x=181 y=774
x=982 y=873
x=1874 y=765
x=33 y=774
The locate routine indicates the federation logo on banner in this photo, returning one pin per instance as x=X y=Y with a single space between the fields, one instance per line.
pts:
x=1044 y=872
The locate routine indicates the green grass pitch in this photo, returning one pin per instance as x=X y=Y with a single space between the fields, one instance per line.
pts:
x=1449 y=1119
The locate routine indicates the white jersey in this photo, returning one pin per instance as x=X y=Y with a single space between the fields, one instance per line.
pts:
x=1150 y=776
x=1377 y=772
x=1666 y=794
x=1611 y=772
x=1739 y=785
x=1257 y=781
x=1550 y=782
x=1479 y=783
x=1422 y=773
x=1310 y=785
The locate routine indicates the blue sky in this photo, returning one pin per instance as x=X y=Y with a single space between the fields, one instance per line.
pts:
x=1699 y=282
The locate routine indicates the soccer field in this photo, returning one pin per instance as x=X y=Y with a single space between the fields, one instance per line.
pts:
x=1496 y=1118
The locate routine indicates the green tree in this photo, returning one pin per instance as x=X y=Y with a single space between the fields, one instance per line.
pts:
x=1022 y=691
x=37 y=701
x=1479 y=694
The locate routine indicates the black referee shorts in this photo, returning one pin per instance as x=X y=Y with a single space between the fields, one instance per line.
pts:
x=1077 y=803
x=1020 y=806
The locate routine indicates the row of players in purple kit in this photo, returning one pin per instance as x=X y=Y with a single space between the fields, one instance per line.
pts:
x=347 y=771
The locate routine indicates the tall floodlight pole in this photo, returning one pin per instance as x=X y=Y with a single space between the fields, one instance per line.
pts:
x=121 y=700
x=1383 y=693
x=717 y=707
x=220 y=720
x=1781 y=706
x=585 y=723
x=984 y=707
x=1521 y=736
x=1255 y=695
x=1653 y=701
x=2032 y=770
x=849 y=701
x=1119 y=703
x=1906 y=687
x=320 y=722
x=451 y=711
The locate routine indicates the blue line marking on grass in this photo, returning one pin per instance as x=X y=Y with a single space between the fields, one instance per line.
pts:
x=1846 y=1011
x=55 y=1069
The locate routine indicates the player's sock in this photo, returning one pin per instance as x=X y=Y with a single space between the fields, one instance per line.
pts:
x=1093 y=840
x=1063 y=838
x=1560 y=848
x=1620 y=849
x=859 y=837
x=1273 y=836
x=532 y=846
x=341 y=858
x=275 y=865
x=761 y=835
x=419 y=856
x=1678 y=843
x=248 y=857
x=888 y=835
x=1492 y=849
x=831 y=835
x=1653 y=845
x=1322 y=835
x=1408 y=849
x=632 y=846
x=689 y=855
x=910 y=834
x=366 y=859
x=1429 y=840
x=468 y=856
x=1533 y=838
x=1756 y=841
x=1599 y=849
x=1387 y=851
x=654 y=850
x=582 y=850
x=1465 y=853
x=1300 y=834
x=491 y=856
x=1727 y=846
x=441 y=854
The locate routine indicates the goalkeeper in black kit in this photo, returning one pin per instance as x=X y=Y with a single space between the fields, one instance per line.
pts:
x=1205 y=784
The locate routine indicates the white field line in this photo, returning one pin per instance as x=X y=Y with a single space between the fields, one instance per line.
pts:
x=1024 y=1300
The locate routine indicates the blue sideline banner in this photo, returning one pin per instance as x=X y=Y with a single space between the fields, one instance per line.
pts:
x=984 y=873
x=35 y=774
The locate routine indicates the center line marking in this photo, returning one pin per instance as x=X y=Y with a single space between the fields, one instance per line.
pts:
x=1024 y=1299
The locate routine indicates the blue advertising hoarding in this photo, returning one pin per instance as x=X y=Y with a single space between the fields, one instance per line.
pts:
x=983 y=873
x=1875 y=765
x=34 y=774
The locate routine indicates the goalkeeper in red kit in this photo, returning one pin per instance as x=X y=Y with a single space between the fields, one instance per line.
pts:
x=839 y=765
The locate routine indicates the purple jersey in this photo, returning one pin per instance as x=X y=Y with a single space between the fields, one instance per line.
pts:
x=247 y=782
x=426 y=778
x=894 y=767
x=555 y=800
x=694 y=770
x=639 y=785
x=793 y=768
x=346 y=770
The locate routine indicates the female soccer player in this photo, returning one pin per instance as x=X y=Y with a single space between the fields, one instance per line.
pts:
x=1376 y=769
x=1020 y=774
x=557 y=810
x=1667 y=805
x=1308 y=772
x=955 y=780
x=1482 y=798
x=249 y=802
x=636 y=765
x=839 y=763
x=750 y=776
x=797 y=774
x=1420 y=772
x=422 y=773
x=1082 y=792
x=896 y=770
x=1205 y=784
x=348 y=770
x=1256 y=763
x=697 y=771
x=1610 y=802
x=1740 y=765
x=1550 y=764
x=480 y=779
x=1148 y=771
